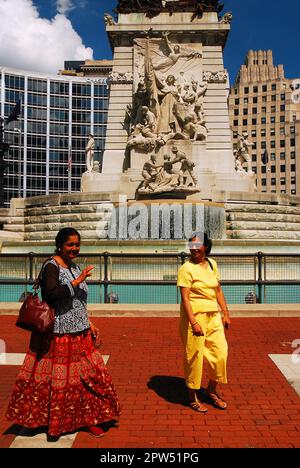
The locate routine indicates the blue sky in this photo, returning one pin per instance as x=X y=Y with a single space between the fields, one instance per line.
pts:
x=257 y=25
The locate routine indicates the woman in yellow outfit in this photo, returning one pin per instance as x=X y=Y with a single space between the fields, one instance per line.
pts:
x=201 y=327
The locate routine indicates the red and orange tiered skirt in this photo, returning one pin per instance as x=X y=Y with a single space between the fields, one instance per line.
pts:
x=64 y=385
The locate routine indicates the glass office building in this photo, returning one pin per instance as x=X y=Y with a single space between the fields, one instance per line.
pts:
x=49 y=139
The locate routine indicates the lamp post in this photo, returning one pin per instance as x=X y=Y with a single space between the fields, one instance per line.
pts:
x=18 y=130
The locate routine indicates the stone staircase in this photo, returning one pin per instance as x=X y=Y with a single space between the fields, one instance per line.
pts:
x=262 y=221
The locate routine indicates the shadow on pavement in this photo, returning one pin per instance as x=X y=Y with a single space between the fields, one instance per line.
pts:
x=171 y=389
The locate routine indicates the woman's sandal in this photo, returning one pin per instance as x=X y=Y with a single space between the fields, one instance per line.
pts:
x=216 y=401
x=199 y=407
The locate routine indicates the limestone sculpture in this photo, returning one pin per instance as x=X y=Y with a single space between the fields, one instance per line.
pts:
x=89 y=152
x=242 y=154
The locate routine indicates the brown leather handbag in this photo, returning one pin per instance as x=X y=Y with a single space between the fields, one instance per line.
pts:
x=36 y=315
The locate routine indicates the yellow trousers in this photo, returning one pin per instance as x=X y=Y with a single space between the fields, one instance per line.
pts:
x=212 y=347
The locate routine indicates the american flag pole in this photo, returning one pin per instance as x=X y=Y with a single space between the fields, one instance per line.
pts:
x=70 y=170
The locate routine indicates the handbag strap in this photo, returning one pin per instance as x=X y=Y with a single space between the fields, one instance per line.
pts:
x=37 y=283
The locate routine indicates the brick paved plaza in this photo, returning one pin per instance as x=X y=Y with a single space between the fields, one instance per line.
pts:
x=145 y=360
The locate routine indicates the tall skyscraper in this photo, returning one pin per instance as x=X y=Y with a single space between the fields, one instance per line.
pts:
x=264 y=104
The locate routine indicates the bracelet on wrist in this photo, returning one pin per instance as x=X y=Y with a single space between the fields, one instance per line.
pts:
x=193 y=324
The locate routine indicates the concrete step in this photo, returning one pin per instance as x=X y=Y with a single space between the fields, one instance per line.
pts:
x=263 y=217
x=263 y=225
x=14 y=227
x=173 y=310
x=244 y=234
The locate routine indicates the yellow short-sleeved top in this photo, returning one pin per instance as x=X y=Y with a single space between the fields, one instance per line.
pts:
x=202 y=282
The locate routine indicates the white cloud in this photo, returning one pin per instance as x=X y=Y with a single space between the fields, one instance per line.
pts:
x=64 y=6
x=30 y=42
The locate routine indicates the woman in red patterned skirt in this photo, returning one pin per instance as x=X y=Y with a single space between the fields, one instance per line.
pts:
x=63 y=383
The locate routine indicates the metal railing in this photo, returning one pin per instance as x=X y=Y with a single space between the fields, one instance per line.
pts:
x=151 y=278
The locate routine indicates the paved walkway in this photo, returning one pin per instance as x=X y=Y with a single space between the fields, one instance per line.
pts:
x=145 y=360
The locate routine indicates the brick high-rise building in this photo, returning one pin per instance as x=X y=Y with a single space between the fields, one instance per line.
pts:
x=265 y=104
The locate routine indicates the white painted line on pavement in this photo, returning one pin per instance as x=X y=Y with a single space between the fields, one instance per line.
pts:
x=289 y=367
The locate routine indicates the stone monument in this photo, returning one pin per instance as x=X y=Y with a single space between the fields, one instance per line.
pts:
x=169 y=76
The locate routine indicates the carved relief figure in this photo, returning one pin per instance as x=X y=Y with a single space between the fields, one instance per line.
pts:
x=174 y=53
x=150 y=172
x=108 y=20
x=187 y=166
x=169 y=97
x=227 y=18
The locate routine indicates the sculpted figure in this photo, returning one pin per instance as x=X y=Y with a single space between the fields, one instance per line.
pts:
x=227 y=18
x=143 y=135
x=187 y=166
x=170 y=96
x=174 y=53
x=108 y=19
x=89 y=151
x=242 y=152
x=150 y=171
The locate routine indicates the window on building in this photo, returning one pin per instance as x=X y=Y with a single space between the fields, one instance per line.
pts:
x=282 y=143
x=293 y=180
x=282 y=108
x=264 y=88
x=293 y=167
x=273 y=97
x=255 y=89
x=255 y=100
x=245 y=122
x=273 y=120
x=273 y=157
x=253 y=133
x=282 y=96
x=272 y=131
x=273 y=144
x=254 y=121
x=293 y=155
x=254 y=157
x=254 y=110
x=263 y=170
x=282 y=119
x=246 y=90
x=293 y=192
x=293 y=142
x=263 y=120
x=282 y=168
x=273 y=108
x=246 y=100
x=273 y=169
x=273 y=87
x=245 y=112
x=237 y=101
x=282 y=180
x=264 y=110
x=282 y=131
x=263 y=132
x=236 y=112
x=273 y=181
x=282 y=156
x=264 y=182
x=293 y=130
x=236 y=123
x=263 y=145
x=264 y=99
